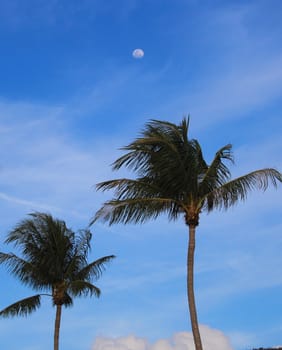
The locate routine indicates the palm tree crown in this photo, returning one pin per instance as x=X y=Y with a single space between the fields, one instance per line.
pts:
x=173 y=177
x=53 y=260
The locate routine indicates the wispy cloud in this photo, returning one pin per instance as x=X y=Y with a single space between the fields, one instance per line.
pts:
x=27 y=203
x=43 y=167
x=230 y=95
x=16 y=15
x=143 y=275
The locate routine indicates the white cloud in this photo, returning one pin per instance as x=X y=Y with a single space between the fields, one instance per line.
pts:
x=212 y=340
x=26 y=203
x=230 y=94
x=124 y=343
x=44 y=167
x=156 y=274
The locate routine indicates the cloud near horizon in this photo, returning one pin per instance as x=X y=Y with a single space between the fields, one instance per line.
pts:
x=212 y=339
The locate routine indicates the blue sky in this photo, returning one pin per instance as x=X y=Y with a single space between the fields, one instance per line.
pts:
x=71 y=95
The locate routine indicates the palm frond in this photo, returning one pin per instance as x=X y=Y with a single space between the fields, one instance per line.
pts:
x=38 y=234
x=84 y=288
x=128 y=188
x=22 y=307
x=94 y=269
x=217 y=174
x=66 y=300
x=131 y=196
x=79 y=254
x=238 y=189
x=82 y=242
x=142 y=151
x=136 y=210
x=157 y=138
x=19 y=267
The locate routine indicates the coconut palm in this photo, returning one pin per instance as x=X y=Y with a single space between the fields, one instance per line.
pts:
x=174 y=178
x=53 y=262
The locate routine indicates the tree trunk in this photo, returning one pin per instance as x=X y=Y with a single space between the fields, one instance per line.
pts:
x=57 y=326
x=190 y=288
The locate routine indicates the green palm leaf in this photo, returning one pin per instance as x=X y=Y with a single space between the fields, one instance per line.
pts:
x=231 y=192
x=84 y=288
x=22 y=307
x=24 y=270
x=95 y=269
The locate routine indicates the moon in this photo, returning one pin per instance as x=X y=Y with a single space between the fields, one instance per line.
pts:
x=138 y=53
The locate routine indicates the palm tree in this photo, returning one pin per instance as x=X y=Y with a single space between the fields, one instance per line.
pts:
x=54 y=263
x=174 y=178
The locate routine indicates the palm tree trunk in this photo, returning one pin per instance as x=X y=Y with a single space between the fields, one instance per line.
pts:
x=190 y=288
x=57 y=326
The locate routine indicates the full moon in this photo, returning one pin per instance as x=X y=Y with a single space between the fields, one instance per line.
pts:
x=138 y=53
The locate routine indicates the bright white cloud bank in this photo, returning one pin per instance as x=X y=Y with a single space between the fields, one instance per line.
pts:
x=212 y=340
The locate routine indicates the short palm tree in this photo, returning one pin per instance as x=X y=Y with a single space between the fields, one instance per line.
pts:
x=174 y=178
x=54 y=261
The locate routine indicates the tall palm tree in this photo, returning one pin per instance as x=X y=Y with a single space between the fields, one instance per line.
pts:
x=174 y=178
x=53 y=262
